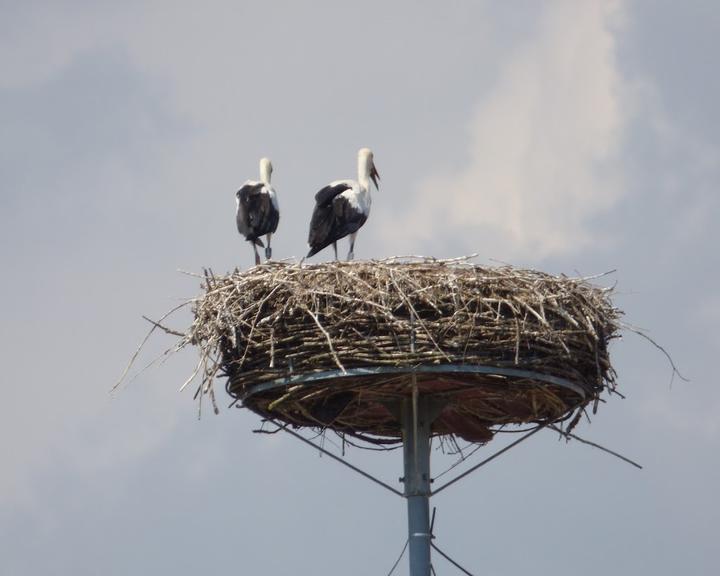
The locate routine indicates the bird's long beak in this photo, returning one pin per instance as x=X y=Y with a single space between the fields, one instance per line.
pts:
x=375 y=176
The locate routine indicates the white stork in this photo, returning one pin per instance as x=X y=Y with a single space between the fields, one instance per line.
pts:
x=342 y=207
x=257 y=210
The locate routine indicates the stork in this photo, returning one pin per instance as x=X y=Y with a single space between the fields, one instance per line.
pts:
x=257 y=210
x=342 y=207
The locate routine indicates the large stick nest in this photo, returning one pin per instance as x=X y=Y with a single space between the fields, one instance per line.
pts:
x=269 y=328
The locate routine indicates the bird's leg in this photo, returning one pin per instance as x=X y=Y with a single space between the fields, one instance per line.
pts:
x=257 y=256
x=335 y=248
x=351 y=254
x=268 y=250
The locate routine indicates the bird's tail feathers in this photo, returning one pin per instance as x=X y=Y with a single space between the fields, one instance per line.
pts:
x=256 y=241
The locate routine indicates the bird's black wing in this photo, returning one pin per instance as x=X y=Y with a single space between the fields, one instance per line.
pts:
x=242 y=218
x=322 y=222
x=250 y=189
x=326 y=195
x=257 y=211
x=347 y=218
x=333 y=219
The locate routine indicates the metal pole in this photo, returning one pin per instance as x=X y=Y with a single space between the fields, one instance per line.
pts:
x=416 y=420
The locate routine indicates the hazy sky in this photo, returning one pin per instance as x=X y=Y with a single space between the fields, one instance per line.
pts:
x=574 y=137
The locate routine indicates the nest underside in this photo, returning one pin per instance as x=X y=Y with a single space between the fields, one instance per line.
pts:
x=469 y=405
x=278 y=321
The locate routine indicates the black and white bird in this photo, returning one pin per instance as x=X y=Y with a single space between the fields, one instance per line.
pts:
x=342 y=207
x=258 y=213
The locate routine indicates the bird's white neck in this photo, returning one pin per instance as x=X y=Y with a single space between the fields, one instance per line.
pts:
x=265 y=171
x=364 y=165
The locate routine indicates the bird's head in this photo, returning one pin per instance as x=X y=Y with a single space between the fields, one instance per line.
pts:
x=366 y=163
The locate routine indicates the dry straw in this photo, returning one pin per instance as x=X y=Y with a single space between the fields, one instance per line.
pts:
x=279 y=322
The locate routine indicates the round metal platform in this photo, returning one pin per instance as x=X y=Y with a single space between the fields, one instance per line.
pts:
x=470 y=399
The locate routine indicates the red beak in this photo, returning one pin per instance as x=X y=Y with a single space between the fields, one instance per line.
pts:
x=375 y=176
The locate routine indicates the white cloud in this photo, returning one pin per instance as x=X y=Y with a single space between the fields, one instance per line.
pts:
x=542 y=145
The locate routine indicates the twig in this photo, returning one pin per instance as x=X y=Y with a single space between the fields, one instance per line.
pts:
x=164 y=328
x=594 y=445
x=194 y=373
x=665 y=352
x=327 y=337
x=142 y=344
